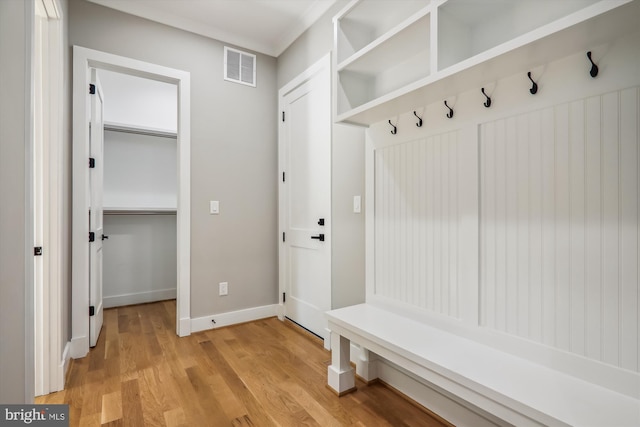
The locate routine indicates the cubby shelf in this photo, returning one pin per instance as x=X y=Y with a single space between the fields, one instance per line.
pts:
x=450 y=46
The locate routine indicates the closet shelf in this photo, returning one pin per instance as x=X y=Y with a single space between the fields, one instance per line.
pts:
x=139 y=130
x=579 y=31
x=139 y=211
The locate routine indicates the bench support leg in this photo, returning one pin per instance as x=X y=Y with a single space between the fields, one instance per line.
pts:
x=366 y=366
x=340 y=375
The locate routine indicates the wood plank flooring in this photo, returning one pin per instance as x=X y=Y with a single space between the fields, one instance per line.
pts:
x=263 y=373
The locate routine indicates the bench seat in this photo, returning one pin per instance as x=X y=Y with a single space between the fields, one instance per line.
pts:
x=511 y=388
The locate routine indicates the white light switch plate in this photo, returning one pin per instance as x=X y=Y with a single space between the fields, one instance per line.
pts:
x=223 y=288
x=214 y=207
x=357 y=204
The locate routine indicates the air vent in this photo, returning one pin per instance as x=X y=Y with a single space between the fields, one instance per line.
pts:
x=239 y=67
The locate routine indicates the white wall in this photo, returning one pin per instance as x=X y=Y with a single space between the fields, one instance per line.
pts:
x=135 y=101
x=16 y=222
x=139 y=259
x=554 y=208
x=140 y=171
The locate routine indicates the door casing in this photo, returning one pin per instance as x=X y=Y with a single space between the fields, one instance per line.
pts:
x=83 y=60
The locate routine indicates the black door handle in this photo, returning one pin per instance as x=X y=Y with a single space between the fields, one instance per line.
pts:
x=319 y=237
x=104 y=237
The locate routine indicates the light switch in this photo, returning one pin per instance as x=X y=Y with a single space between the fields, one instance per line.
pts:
x=357 y=208
x=214 y=207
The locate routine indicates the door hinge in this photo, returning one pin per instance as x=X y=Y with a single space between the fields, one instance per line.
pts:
x=37 y=251
x=92 y=89
x=92 y=236
x=284 y=237
x=284 y=297
x=92 y=163
x=283 y=116
x=92 y=311
x=283 y=176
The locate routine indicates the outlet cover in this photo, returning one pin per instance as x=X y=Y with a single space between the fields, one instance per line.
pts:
x=223 y=288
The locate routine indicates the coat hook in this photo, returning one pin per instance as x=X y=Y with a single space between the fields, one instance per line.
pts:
x=450 y=113
x=419 y=124
x=395 y=128
x=487 y=103
x=594 y=67
x=534 y=88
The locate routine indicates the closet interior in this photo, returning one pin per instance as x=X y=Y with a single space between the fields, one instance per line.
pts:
x=140 y=189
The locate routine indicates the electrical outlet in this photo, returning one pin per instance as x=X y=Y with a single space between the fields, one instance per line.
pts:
x=223 y=288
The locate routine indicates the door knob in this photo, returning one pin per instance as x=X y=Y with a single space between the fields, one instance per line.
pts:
x=104 y=237
x=319 y=237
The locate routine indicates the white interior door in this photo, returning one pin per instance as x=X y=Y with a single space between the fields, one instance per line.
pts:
x=96 y=150
x=305 y=216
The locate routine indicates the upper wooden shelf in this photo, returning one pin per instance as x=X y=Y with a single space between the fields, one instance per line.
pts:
x=470 y=44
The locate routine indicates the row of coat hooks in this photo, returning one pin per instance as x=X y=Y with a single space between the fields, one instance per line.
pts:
x=593 y=72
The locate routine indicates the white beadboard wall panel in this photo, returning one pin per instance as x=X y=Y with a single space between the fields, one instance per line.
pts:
x=417 y=223
x=559 y=258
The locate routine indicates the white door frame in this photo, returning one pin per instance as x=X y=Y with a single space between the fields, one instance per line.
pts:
x=323 y=64
x=83 y=60
x=50 y=362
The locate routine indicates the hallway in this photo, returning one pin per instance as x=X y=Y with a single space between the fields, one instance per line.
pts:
x=263 y=373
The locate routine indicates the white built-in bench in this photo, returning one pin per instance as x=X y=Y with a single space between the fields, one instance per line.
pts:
x=511 y=388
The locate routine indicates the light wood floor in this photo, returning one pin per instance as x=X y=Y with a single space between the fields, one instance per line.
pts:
x=263 y=373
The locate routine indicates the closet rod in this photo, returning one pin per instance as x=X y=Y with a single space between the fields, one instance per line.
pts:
x=140 y=212
x=116 y=127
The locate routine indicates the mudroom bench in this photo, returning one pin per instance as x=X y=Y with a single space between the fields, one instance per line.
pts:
x=513 y=389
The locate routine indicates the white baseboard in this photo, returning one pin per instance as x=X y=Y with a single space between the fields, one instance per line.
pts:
x=63 y=367
x=78 y=347
x=437 y=401
x=233 y=317
x=138 y=298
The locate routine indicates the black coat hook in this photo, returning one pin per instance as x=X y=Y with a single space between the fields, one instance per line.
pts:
x=594 y=67
x=534 y=88
x=395 y=128
x=419 y=124
x=450 y=113
x=487 y=103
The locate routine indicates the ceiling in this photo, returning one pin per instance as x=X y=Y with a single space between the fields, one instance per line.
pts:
x=265 y=26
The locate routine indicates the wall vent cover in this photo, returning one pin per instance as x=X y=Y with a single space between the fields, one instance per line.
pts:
x=239 y=67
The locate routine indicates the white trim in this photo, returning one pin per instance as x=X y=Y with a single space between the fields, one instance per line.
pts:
x=48 y=329
x=138 y=298
x=233 y=317
x=63 y=366
x=83 y=60
x=29 y=283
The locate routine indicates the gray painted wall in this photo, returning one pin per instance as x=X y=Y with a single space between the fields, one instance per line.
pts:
x=16 y=264
x=347 y=175
x=233 y=160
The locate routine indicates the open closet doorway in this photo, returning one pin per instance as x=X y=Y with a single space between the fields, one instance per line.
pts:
x=164 y=192
x=140 y=190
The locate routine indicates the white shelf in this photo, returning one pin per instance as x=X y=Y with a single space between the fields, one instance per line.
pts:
x=578 y=29
x=362 y=23
x=139 y=130
x=410 y=35
x=139 y=210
